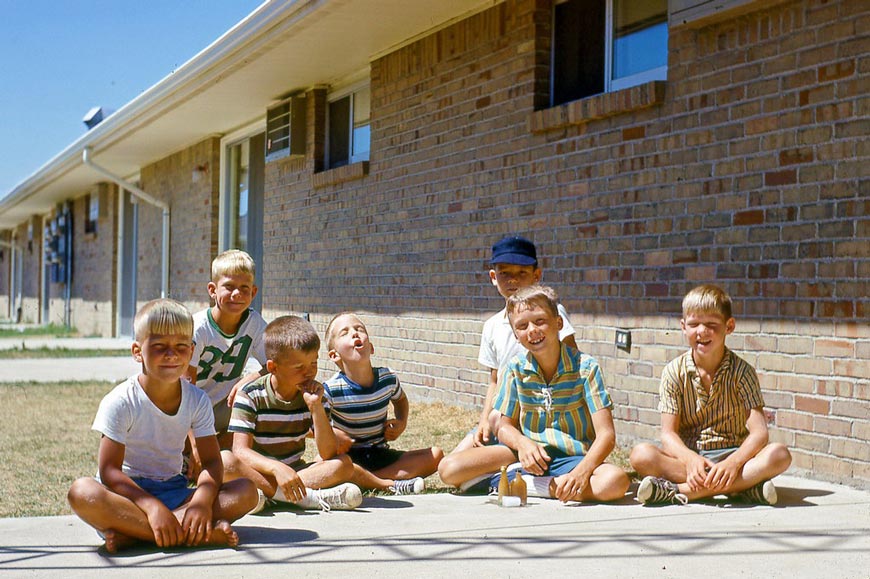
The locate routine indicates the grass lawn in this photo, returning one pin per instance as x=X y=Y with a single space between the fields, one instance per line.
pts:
x=48 y=331
x=48 y=443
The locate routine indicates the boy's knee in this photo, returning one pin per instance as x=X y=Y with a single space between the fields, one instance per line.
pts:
x=448 y=471
x=615 y=483
x=83 y=492
x=780 y=457
x=437 y=455
x=642 y=456
x=344 y=466
x=230 y=462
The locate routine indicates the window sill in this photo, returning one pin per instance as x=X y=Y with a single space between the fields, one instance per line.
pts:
x=343 y=174
x=596 y=107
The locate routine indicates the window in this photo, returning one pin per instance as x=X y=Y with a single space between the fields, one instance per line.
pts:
x=348 y=126
x=243 y=162
x=92 y=206
x=285 y=128
x=606 y=45
x=238 y=156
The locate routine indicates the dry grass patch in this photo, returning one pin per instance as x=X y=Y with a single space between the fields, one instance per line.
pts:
x=47 y=442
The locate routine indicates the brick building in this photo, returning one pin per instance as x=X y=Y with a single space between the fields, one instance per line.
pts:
x=368 y=162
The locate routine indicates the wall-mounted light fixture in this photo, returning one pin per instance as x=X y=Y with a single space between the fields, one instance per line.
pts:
x=199 y=172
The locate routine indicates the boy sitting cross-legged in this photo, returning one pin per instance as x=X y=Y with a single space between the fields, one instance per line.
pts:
x=140 y=494
x=271 y=419
x=514 y=266
x=714 y=432
x=555 y=410
x=359 y=396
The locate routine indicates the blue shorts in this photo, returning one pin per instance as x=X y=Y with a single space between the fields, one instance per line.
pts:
x=719 y=454
x=172 y=492
x=561 y=462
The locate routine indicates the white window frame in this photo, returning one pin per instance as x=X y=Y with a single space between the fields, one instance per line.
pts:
x=228 y=141
x=610 y=84
x=349 y=90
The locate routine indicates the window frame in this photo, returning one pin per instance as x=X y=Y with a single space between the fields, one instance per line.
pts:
x=351 y=91
x=610 y=84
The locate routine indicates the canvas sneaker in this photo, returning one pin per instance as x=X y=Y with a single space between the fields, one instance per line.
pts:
x=658 y=491
x=478 y=485
x=412 y=486
x=262 y=502
x=764 y=493
x=344 y=497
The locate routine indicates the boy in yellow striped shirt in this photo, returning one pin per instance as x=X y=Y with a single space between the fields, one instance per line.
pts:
x=714 y=432
x=555 y=410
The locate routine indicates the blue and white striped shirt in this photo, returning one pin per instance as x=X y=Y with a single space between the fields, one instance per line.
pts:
x=362 y=412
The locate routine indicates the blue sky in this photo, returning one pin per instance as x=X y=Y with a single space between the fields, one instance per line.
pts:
x=59 y=58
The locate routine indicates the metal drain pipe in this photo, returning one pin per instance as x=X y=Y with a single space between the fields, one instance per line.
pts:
x=140 y=194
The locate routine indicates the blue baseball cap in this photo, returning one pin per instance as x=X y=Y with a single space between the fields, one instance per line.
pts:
x=515 y=250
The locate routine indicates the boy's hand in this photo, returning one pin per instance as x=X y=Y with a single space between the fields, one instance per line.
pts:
x=723 y=474
x=570 y=485
x=696 y=472
x=290 y=484
x=312 y=392
x=533 y=457
x=483 y=434
x=393 y=429
x=196 y=524
x=343 y=441
x=166 y=528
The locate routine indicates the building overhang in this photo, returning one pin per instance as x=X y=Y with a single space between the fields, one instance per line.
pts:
x=282 y=46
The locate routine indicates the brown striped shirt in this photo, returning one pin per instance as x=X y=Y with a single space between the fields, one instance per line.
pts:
x=714 y=420
x=279 y=427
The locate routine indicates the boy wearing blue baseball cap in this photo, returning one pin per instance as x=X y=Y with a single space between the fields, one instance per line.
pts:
x=514 y=266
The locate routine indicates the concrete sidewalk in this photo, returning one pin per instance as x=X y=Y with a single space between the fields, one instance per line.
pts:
x=109 y=368
x=818 y=530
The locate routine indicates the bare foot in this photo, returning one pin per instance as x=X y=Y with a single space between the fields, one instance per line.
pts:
x=116 y=541
x=223 y=534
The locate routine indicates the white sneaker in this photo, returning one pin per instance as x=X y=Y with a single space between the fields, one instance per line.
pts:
x=344 y=497
x=412 y=486
x=261 y=503
x=538 y=486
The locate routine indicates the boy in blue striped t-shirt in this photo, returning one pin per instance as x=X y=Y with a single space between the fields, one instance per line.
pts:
x=359 y=396
x=555 y=410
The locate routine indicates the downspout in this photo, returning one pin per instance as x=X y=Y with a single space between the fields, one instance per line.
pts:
x=15 y=287
x=140 y=194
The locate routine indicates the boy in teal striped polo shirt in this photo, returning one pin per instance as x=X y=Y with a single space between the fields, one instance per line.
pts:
x=555 y=410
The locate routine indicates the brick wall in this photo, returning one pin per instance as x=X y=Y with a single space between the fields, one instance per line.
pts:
x=94 y=271
x=746 y=168
x=5 y=275
x=193 y=223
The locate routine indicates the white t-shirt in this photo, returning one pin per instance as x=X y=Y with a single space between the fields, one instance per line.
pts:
x=498 y=345
x=220 y=359
x=153 y=440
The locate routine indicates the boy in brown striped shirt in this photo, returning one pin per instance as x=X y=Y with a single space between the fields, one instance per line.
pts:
x=273 y=416
x=714 y=432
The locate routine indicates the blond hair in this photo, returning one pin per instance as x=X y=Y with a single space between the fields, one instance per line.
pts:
x=289 y=333
x=534 y=295
x=164 y=317
x=707 y=298
x=330 y=329
x=232 y=262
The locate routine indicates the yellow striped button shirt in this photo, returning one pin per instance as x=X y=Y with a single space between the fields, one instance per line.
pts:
x=557 y=414
x=714 y=420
